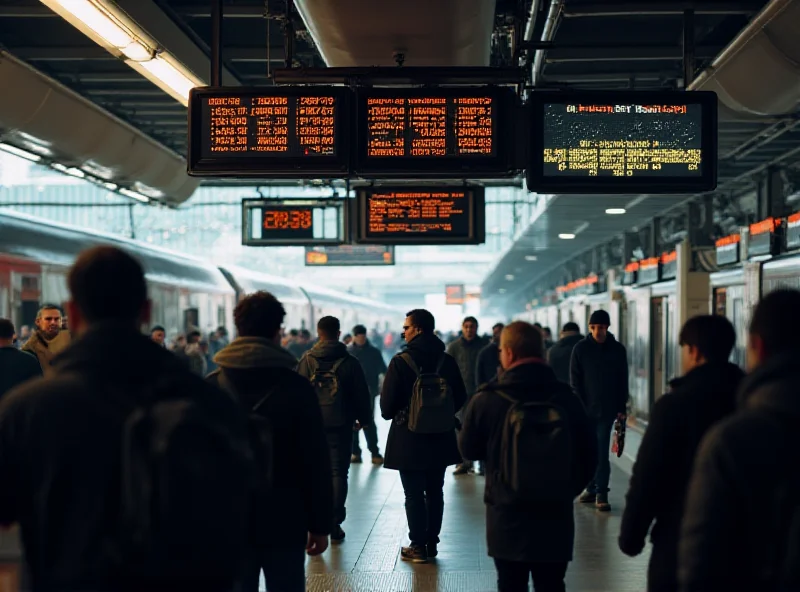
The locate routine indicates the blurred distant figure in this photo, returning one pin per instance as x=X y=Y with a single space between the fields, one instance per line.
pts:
x=16 y=367
x=301 y=344
x=560 y=355
x=158 y=335
x=23 y=335
x=49 y=340
x=347 y=339
x=489 y=358
x=548 y=338
x=374 y=366
x=217 y=341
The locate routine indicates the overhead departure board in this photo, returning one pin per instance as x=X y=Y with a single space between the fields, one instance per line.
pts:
x=294 y=222
x=443 y=132
x=421 y=215
x=625 y=141
x=275 y=131
x=350 y=255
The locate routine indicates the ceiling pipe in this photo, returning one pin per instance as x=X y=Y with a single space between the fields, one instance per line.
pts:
x=550 y=25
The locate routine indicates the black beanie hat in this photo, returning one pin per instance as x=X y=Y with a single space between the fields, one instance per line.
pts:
x=600 y=317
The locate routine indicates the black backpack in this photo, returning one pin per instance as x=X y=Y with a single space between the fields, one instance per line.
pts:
x=431 y=409
x=185 y=479
x=325 y=381
x=536 y=452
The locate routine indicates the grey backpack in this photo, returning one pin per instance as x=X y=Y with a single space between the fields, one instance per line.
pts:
x=431 y=410
x=325 y=381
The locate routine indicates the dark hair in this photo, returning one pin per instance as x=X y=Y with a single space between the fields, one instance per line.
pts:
x=107 y=284
x=470 y=320
x=294 y=332
x=537 y=325
x=193 y=336
x=712 y=335
x=157 y=328
x=571 y=327
x=6 y=329
x=524 y=339
x=359 y=330
x=305 y=333
x=48 y=306
x=259 y=315
x=329 y=327
x=498 y=326
x=422 y=320
x=771 y=321
x=222 y=330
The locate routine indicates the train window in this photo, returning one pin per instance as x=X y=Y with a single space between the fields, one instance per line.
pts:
x=720 y=301
x=220 y=316
x=191 y=319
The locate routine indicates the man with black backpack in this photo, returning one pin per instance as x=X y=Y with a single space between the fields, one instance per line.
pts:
x=122 y=479
x=422 y=392
x=294 y=509
x=741 y=522
x=539 y=448
x=344 y=399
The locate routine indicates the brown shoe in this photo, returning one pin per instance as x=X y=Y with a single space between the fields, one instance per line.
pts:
x=602 y=505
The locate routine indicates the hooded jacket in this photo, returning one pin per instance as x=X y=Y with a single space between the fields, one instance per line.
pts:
x=743 y=493
x=406 y=450
x=537 y=533
x=599 y=376
x=46 y=350
x=352 y=382
x=679 y=420
x=60 y=450
x=559 y=355
x=302 y=499
x=372 y=363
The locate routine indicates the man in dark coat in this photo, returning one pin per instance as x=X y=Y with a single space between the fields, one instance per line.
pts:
x=740 y=527
x=421 y=458
x=489 y=358
x=599 y=376
x=326 y=354
x=559 y=355
x=535 y=538
x=372 y=362
x=298 y=516
x=61 y=438
x=16 y=367
x=465 y=351
x=679 y=420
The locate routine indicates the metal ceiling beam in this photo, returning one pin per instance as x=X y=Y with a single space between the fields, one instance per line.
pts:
x=253 y=54
x=231 y=11
x=61 y=54
x=655 y=8
x=33 y=11
x=626 y=53
x=603 y=77
x=125 y=92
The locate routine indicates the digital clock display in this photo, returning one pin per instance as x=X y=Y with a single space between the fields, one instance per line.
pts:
x=293 y=222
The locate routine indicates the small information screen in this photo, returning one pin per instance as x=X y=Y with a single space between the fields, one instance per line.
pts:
x=270 y=131
x=438 y=131
x=421 y=215
x=662 y=142
x=350 y=255
x=295 y=222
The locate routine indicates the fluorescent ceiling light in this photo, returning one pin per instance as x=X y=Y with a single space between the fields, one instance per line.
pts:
x=134 y=195
x=531 y=257
x=566 y=236
x=75 y=172
x=59 y=167
x=100 y=23
x=615 y=211
x=20 y=152
x=510 y=277
x=110 y=186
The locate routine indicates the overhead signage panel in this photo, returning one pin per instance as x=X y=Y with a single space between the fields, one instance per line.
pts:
x=268 y=132
x=442 y=132
x=793 y=232
x=294 y=222
x=649 y=271
x=764 y=238
x=622 y=142
x=728 y=249
x=454 y=294
x=421 y=215
x=350 y=255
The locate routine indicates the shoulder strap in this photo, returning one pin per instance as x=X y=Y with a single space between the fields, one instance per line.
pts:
x=440 y=363
x=507 y=397
x=406 y=357
x=226 y=384
x=337 y=363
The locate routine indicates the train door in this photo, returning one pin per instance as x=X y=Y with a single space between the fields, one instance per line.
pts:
x=671 y=361
x=658 y=371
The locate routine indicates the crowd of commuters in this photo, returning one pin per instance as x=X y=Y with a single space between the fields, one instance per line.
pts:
x=228 y=458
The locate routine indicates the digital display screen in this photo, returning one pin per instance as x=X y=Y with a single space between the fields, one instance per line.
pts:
x=293 y=222
x=350 y=255
x=728 y=249
x=421 y=215
x=437 y=131
x=793 y=231
x=269 y=131
x=662 y=142
x=763 y=237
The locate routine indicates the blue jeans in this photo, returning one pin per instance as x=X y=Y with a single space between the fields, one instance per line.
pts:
x=599 y=484
x=284 y=570
x=424 y=504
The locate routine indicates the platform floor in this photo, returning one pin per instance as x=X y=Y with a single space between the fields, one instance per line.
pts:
x=376 y=528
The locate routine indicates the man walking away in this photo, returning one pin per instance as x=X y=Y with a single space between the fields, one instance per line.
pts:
x=16 y=367
x=560 y=355
x=680 y=419
x=741 y=524
x=122 y=479
x=373 y=364
x=489 y=358
x=465 y=350
x=49 y=339
x=547 y=337
x=301 y=344
x=539 y=448
x=421 y=394
x=599 y=376
x=343 y=396
x=296 y=515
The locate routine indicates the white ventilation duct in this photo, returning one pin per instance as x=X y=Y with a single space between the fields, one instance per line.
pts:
x=428 y=33
x=758 y=74
x=79 y=133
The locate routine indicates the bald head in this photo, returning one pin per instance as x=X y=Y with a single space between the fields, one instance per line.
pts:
x=520 y=340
